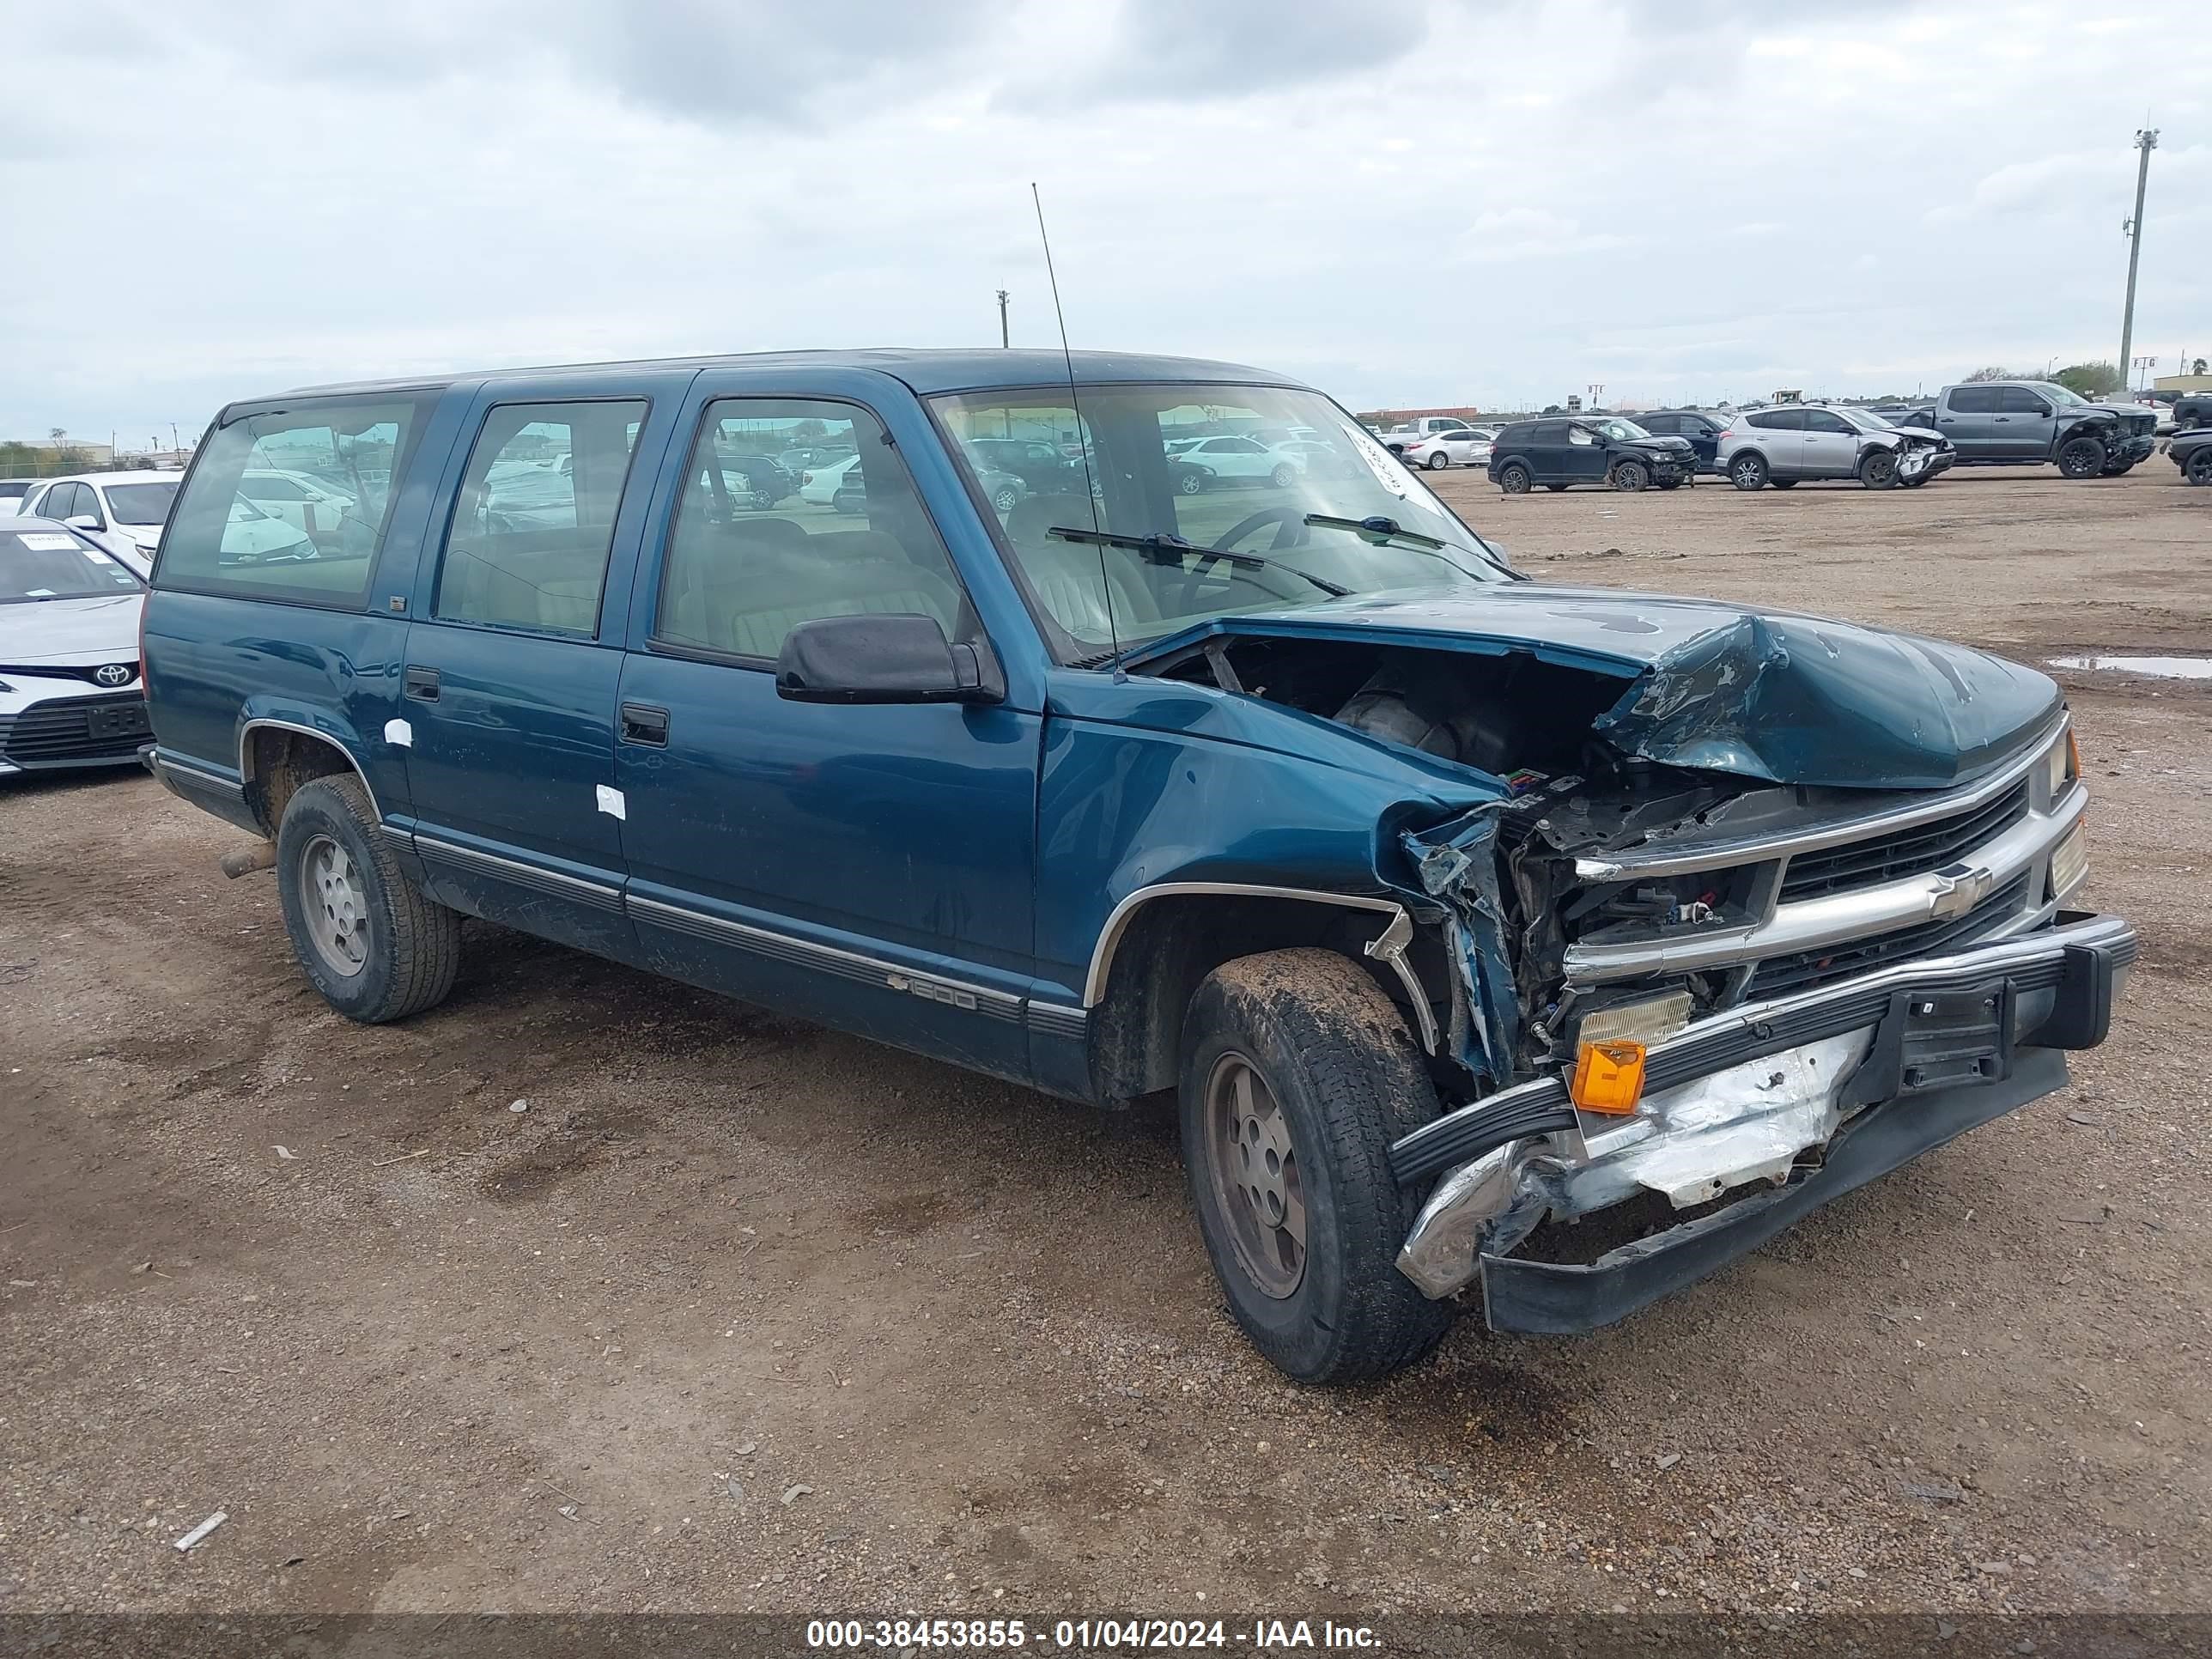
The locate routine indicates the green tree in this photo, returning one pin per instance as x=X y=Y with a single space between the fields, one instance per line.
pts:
x=2091 y=380
x=1995 y=373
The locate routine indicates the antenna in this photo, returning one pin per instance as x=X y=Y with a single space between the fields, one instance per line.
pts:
x=1082 y=431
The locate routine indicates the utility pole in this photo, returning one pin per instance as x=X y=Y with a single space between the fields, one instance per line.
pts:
x=2146 y=141
x=1003 y=340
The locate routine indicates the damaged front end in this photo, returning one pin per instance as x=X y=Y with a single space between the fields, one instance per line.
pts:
x=1816 y=873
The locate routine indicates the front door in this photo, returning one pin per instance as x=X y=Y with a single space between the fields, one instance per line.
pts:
x=508 y=692
x=2024 y=425
x=869 y=866
x=1832 y=445
x=1582 y=459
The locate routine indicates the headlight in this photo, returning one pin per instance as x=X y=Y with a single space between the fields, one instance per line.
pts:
x=2062 y=766
x=1652 y=1020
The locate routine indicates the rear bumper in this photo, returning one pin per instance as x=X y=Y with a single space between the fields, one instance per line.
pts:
x=1809 y=1095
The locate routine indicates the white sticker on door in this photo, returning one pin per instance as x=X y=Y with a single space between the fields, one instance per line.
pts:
x=611 y=803
x=399 y=734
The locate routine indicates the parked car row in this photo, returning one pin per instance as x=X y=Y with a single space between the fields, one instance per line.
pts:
x=1781 y=446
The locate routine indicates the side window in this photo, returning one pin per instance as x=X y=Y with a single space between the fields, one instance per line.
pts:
x=218 y=540
x=60 y=503
x=1545 y=432
x=1821 y=419
x=1973 y=400
x=1580 y=434
x=755 y=551
x=1660 y=425
x=1780 y=420
x=2019 y=401
x=528 y=544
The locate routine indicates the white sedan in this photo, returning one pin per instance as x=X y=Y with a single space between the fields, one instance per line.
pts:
x=1240 y=460
x=1466 y=447
x=70 y=690
x=124 y=512
x=820 y=484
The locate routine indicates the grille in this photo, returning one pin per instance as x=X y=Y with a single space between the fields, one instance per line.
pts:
x=1912 y=852
x=1807 y=970
x=85 y=671
x=62 y=731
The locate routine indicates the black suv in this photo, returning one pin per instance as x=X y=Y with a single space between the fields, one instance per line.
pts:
x=1588 y=449
x=1703 y=430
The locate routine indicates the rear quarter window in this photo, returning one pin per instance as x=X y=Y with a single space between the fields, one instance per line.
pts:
x=228 y=535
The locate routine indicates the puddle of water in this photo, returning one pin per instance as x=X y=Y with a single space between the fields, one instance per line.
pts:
x=2165 y=668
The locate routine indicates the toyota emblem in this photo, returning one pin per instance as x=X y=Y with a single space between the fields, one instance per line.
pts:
x=112 y=673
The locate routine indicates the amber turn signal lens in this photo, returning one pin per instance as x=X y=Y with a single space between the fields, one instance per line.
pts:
x=2073 y=755
x=1608 y=1077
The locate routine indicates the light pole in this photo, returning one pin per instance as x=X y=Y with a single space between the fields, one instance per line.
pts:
x=1003 y=341
x=2146 y=141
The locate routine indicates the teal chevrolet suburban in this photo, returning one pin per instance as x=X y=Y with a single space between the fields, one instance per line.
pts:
x=1451 y=906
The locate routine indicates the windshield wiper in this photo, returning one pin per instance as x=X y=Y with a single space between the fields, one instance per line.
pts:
x=1173 y=550
x=1379 y=532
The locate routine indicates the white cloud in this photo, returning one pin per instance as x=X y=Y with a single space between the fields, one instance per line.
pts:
x=1441 y=201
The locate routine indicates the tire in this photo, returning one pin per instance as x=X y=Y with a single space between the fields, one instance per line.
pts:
x=332 y=856
x=1007 y=498
x=1514 y=478
x=1782 y=484
x=2199 y=470
x=2080 y=458
x=762 y=501
x=1190 y=483
x=1437 y=461
x=1331 y=1079
x=1878 y=469
x=1631 y=476
x=2119 y=470
x=1675 y=483
x=1283 y=476
x=1748 y=471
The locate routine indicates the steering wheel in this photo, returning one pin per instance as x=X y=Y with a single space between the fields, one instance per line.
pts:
x=1291 y=531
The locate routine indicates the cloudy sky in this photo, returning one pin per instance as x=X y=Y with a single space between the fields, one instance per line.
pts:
x=1494 y=202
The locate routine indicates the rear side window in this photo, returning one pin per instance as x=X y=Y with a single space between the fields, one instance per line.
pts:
x=757 y=549
x=535 y=518
x=220 y=540
x=1779 y=420
x=1974 y=400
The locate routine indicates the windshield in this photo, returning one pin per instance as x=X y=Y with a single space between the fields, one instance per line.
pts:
x=1182 y=464
x=2064 y=398
x=50 y=564
x=1867 y=421
x=145 y=503
x=1619 y=430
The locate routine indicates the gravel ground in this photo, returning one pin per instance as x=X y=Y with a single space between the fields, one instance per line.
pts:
x=744 y=1314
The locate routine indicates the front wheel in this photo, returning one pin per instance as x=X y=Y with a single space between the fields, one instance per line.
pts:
x=2199 y=470
x=1437 y=461
x=1514 y=479
x=1631 y=476
x=365 y=935
x=1297 y=1075
x=1284 y=475
x=1005 y=499
x=1878 y=469
x=1748 y=471
x=2082 y=457
x=1190 y=483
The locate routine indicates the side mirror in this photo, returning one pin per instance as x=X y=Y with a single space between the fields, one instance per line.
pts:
x=81 y=522
x=901 y=659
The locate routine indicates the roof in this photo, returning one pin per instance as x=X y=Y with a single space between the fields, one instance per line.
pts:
x=961 y=370
x=142 y=474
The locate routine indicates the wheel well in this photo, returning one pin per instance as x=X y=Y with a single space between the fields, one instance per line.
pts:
x=276 y=760
x=1171 y=943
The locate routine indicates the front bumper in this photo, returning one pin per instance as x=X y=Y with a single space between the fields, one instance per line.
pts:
x=2133 y=449
x=1812 y=1095
x=1925 y=463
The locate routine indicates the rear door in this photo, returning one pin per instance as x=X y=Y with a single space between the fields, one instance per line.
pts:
x=1967 y=414
x=511 y=667
x=2024 y=426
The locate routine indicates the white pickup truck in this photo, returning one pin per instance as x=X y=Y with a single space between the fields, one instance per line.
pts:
x=1428 y=426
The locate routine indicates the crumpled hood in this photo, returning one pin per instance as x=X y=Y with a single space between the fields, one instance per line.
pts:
x=1663 y=446
x=71 y=632
x=1762 y=693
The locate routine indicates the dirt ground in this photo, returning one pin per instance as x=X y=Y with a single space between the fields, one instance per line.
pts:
x=744 y=1315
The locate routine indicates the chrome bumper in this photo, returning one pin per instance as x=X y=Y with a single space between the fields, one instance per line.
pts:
x=1740 y=1097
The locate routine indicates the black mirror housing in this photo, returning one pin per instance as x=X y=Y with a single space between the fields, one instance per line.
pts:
x=884 y=659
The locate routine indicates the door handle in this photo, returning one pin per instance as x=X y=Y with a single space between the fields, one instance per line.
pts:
x=422 y=684
x=642 y=723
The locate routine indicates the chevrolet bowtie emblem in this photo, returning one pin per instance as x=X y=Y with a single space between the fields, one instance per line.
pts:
x=1959 y=888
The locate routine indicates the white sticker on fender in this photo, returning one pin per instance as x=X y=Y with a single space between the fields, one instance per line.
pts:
x=611 y=803
x=399 y=734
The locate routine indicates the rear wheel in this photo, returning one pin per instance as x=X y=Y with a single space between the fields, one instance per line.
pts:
x=1283 y=476
x=1748 y=471
x=1006 y=498
x=1190 y=483
x=2199 y=470
x=365 y=935
x=1630 y=475
x=2082 y=457
x=1513 y=478
x=1878 y=469
x=1437 y=460
x=1297 y=1075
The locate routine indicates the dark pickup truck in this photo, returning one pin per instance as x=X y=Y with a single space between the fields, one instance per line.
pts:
x=2019 y=423
x=1451 y=905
